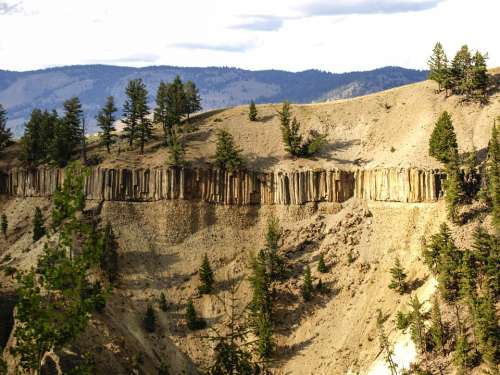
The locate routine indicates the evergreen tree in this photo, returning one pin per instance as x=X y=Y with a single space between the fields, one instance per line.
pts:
x=175 y=103
x=227 y=156
x=417 y=325
x=461 y=357
x=321 y=264
x=176 y=150
x=385 y=347
x=480 y=79
x=493 y=174
x=40 y=141
x=273 y=235
x=454 y=190
x=443 y=142
x=252 y=111
x=307 y=285
x=448 y=271
x=398 y=274
x=161 y=111
x=109 y=258
x=437 y=327
x=163 y=302
x=437 y=245
x=5 y=133
x=290 y=130
x=38 y=225
x=261 y=305
x=150 y=320
x=4 y=224
x=105 y=120
x=438 y=66
x=193 y=322
x=135 y=113
x=488 y=331
x=192 y=98
x=72 y=121
x=206 y=276
x=461 y=71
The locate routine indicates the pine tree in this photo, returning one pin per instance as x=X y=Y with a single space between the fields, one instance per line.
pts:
x=109 y=258
x=321 y=264
x=417 y=324
x=227 y=156
x=290 y=130
x=105 y=120
x=385 y=347
x=176 y=149
x=443 y=142
x=461 y=357
x=38 y=227
x=437 y=245
x=307 y=285
x=261 y=305
x=206 y=276
x=150 y=320
x=192 y=98
x=135 y=112
x=193 y=322
x=438 y=66
x=437 y=327
x=252 y=111
x=72 y=120
x=273 y=235
x=5 y=133
x=176 y=102
x=493 y=174
x=461 y=71
x=4 y=224
x=163 y=302
x=398 y=274
x=480 y=79
x=448 y=271
x=454 y=190
x=488 y=330
x=161 y=113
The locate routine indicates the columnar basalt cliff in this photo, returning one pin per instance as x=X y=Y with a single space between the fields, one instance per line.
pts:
x=233 y=188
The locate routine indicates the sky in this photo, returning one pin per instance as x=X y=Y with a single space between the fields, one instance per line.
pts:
x=294 y=35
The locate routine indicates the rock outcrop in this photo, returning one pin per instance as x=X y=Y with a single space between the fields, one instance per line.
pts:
x=233 y=188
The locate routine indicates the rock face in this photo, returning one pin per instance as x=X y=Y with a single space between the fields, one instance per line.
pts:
x=399 y=184
x=233 y=188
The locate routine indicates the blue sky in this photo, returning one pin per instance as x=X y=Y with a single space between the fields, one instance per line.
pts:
x=332 y=35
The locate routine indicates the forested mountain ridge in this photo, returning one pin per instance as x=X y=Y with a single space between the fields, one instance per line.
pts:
x=20 y=92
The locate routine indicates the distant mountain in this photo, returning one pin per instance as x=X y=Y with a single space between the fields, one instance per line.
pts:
x=20 y=92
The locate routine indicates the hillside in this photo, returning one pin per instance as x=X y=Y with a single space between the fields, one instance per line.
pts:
x=20 y=92
x=162 y=242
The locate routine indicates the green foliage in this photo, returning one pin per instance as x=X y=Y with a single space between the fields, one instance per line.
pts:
x=417 y=325
x=454 y=190
x=402 y=320
x=443 y=142
x=438 y=67
x=488 y=331
x=273 y=235
x=321 y=264
x=5 y=133
x=438 y=243
x=71 y=127
x=43 y=139
x=193 y=321
x=436 y=329
x=149 y=321
x=493 y=174
x=307 y=285
x=4 y=224
x=252 y=111
x=486 y=252
x=163 y=369
x=290 y=133
x=227 y=156
x=192 y=98
x=109 y=257
x=136 y=112
x=385 y=347
x=176 y=150
x=71 y=197
x=261 y=305
x=206 y=276
x=461 y=357
x=38 y=225
x=55 y=300
x=398 y=281
x=163 y=304
x=105 y=120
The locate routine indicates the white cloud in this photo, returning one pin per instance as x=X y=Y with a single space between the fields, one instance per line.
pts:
x=340 y=35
